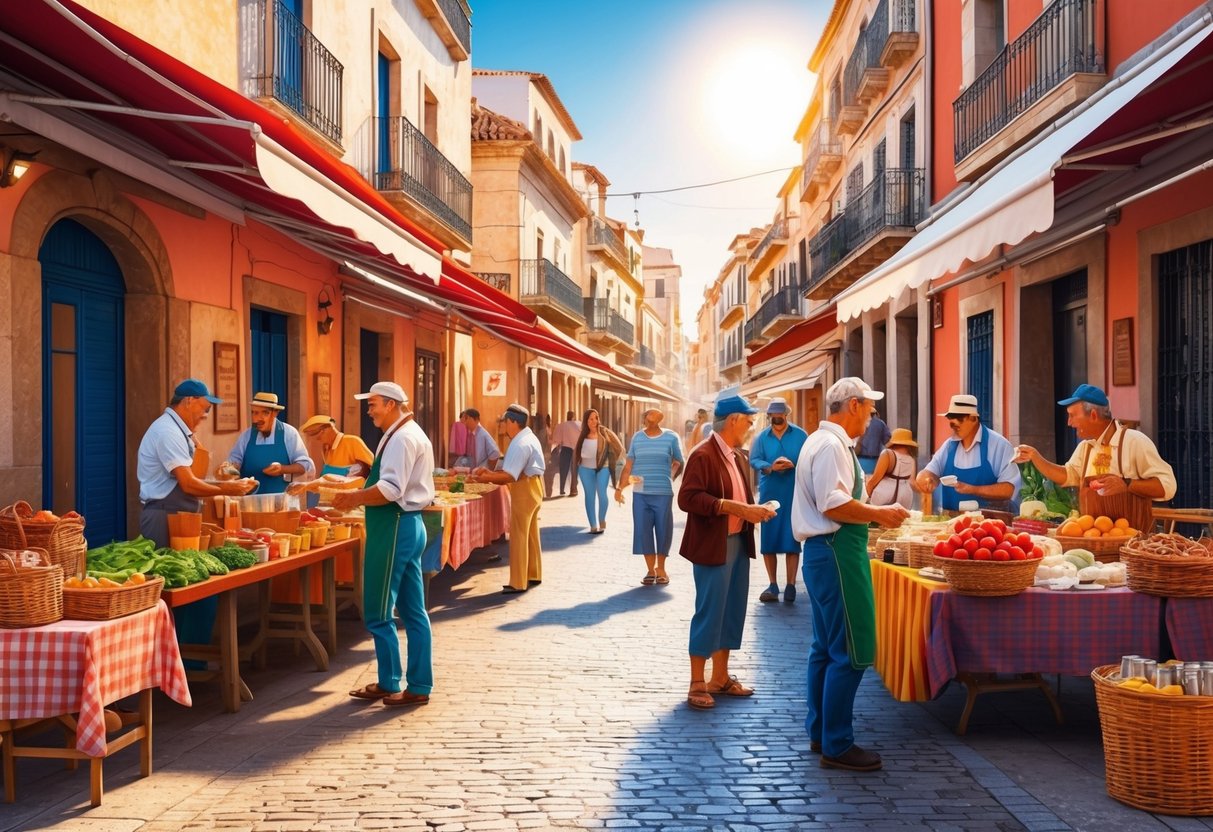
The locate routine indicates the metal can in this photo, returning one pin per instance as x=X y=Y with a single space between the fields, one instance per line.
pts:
x=1126 y=666
x=1150 y=671
x=1191 y=676
x=1206 y=680
x=1139 y=667
x=1164 y=674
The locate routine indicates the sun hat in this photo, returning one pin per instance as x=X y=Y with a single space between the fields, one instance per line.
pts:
x=386 y=389
x=777 y=406
x=267 y=400
x=902 y=436
x=1088 y=393
x=193 y=388
x=962 y=404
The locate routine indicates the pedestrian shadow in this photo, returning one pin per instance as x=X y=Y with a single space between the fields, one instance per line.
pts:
x=559 y=538
x=591 y=613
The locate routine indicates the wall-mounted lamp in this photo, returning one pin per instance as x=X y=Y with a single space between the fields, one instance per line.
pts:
x=16 y=164
x=324 y=301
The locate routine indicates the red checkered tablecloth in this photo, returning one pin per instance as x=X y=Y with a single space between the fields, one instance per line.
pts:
x=473 y=524
x=82 y=666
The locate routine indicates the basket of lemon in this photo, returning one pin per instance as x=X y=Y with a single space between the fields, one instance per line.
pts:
x=1101 y=536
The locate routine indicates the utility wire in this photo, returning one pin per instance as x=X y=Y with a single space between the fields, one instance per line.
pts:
x=701 y=185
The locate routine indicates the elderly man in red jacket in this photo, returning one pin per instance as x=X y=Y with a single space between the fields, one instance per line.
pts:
x=719 y=541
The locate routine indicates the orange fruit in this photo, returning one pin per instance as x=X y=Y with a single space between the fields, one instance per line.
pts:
x=1086 y=521
x=1104 y=523
x=1121 y=523
x=1070 y=528
x=1092 y=533
x=1115 y=531
x=1131 y=532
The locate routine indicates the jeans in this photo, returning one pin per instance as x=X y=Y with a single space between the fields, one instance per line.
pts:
x=594 y=488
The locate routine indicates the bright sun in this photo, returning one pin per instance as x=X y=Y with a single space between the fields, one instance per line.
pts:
x=752 y=97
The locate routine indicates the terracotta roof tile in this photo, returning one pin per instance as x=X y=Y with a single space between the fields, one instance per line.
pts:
x=549 y=92
x=489 y=126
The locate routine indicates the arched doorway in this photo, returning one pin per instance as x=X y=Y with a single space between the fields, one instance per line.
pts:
x=83 y=361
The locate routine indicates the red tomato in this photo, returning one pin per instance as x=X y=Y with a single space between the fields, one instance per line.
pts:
x=982 y=554
x=1000 y=525
x=1025 y=541
x=955 y=541
x=943 y=549
x=961 y=554
x=1037 y=552
x=987 y=527
x=971 y=545
x=1005 y=546
x=963 y=523
x=1018 y=554
x=988 y=542
x=1001 y=554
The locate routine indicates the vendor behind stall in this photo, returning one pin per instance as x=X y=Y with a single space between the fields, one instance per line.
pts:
x=342 y=453
x=1117 y=470
x=269 y=449
x=977 y=457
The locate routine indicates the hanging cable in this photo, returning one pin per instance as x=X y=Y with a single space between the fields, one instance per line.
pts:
x=638 y=194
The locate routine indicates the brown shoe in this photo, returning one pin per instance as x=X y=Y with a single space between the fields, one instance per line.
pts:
x=853 y=759
x=404 y=699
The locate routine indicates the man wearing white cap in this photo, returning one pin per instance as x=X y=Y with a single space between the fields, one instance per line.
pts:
x=975 y=463
x=400 y=485
x=522 y=470
x=830 y=514
x=269 y=449
x=773 y=454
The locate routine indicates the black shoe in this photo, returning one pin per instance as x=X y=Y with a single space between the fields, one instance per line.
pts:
x=853 y=759
x=815 y=746
x=533 y=583
x=511 y=590
x=493 y=557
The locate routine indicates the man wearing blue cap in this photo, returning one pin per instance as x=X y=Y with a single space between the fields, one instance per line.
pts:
x=719 y=541
x=773 y=455
x=1117 y=470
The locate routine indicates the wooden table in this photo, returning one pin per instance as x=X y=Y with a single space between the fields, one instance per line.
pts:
x=64 y=674
x=293 y=625
x=1168 y=517
x=469 y=525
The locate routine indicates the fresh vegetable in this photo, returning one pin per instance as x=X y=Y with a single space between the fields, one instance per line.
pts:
x=1036 y=487
x=234 y=557
x=975 y=538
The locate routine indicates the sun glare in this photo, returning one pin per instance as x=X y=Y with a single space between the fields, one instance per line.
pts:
x=752 y=97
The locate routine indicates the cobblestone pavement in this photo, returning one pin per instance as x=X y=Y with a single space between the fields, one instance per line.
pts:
x=564 y=708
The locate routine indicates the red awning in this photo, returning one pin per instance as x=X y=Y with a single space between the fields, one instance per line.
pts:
x=64 y=65
x=802 y=333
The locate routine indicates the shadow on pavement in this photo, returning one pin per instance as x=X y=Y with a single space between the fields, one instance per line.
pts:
x=591 y=613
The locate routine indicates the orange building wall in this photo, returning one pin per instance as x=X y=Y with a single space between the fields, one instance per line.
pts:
x=946 y=372
x=1134 y=25
x=946 y=86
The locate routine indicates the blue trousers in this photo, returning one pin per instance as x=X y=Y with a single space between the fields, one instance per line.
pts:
x=832 y=681
x=392 y=578
x=594 y=489
x=720 y=602
x=652 y=523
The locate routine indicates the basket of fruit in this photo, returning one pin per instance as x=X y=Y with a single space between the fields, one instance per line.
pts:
x=30 y=589
x=982 y=557
x=1158 y=744
x=1169 y=565
x=1101 y=535
x=62 y=537
x=100 y=599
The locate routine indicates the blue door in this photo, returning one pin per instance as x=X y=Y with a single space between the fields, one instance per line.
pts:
x=267 y=338
x=384 y=160
x=83 y=405
x=289 y=39
x=981 y=364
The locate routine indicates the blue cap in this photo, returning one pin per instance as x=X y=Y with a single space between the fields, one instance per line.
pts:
x=1088 y=393
x=194 y=388
x=733 y=404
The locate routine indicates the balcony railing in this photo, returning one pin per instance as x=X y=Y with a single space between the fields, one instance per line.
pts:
x=1058 y=44
x=777 y=231
x=866 y=53
x=600 y=318
x=498 y=280
x=396 y=156
x=293 y=67
x=751 y=329
x=893 y=199
x=541 y=280
x=824 y=142
x=730 y=353
x=458 y=15
x=601 y=234
x=646 y=358
x=786 y=301
x=903 y=16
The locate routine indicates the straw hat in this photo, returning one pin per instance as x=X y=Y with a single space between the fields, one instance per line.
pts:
x=267 y=400
x=902 y=436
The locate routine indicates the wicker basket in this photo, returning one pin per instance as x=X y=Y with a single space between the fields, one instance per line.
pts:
x=1105 y=549
x=30 y=596
x=63 y=540
x=1158 y=750
x=874 y=533
x=921 y=555
x=104 y=603
x=987 y=577
x=1168 y=577
x=890 y=539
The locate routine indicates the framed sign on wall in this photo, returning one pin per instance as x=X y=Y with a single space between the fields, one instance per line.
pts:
x=322 y=393
x=1123 y=372
x=227 y=387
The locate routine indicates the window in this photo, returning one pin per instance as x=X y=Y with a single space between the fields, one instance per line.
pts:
x=878 y=160
x=537 y=133
x=984 y=28
x=430 y=117
x=659 y=288
x=981 y=363
x=538 y=244
x=562 y=168
x=556 y=252
x=854 y=182
x=908 y=150
x=551 y=146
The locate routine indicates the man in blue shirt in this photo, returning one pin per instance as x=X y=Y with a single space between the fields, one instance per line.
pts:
x=270 y=448
x=773 y=455
x=975 y=463
x=481 y=449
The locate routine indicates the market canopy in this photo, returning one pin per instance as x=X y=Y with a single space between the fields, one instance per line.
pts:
x=1017 y=199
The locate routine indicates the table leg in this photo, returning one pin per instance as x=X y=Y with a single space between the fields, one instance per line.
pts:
x=328 y=572
x=979 y=683
x=310 y=639
x=7 y=737
x=229 y=653
x=145 y=717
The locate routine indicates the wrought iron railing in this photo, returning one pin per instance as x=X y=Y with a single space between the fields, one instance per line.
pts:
x=902 y=16
x=395 y=156
x=458 y=15
x=602 y=234
x=1058 y=44
x=295 y=68
x=751 y=329
x=866 y=53
x=777 y=231
x=600 y=318
x=823 y=141
x=827 y=248
x=542 y=280
x=498 y=280
x=786 y=301
x=646 y=358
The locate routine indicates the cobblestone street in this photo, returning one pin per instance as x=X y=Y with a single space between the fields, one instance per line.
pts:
x=564 y=708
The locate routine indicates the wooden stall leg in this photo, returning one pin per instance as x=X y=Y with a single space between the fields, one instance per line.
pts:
x=1052 y=697
x=145 y=718
x=310 y=640
x=94 y=780
x=7 y=737
x=328 y=573
x=229 y=652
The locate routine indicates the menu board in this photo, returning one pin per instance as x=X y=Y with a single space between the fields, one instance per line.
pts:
x=226 y=416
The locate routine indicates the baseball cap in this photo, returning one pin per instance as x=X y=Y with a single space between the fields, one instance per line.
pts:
x=517 y=413
x=851 y=387
x=194 y=388
x=962 y=404
x=386 y=389
x=733 y=404
x=1086 y=393
x=777 y=406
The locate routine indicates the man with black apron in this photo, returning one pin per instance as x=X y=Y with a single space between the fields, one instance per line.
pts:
x=974 y=464
x=400 y=485
x=831 y=515
x=1117 y=470
x=270 y=448
x=169 y=482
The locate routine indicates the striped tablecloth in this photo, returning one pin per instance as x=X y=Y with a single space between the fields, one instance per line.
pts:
x=475 y=523
x=82 y=666
x=903 y=626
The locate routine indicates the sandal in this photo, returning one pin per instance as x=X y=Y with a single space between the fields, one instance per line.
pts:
x=649 y=580
x=699 y=698
x=372 y=692
x=662 y=580
x=732 y=687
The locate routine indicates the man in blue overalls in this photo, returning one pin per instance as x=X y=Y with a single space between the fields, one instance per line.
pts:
x=270 y=448
x=975 y=463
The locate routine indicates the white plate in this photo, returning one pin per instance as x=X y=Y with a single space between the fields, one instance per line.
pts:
x=932 y=572
x=1089 y=587
x=1057 y=584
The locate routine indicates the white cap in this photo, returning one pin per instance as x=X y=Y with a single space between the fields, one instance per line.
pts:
x=387 y=389
x=851 y=387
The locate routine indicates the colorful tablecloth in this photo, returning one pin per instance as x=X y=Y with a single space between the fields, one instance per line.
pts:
x=82 y=666
x=903 y=625
x=1190 y=628
x=472 y=524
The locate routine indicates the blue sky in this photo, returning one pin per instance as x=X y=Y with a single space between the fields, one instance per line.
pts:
x=668 y=93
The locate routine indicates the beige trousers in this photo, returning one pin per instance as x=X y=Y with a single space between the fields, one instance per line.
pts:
x=526 y=496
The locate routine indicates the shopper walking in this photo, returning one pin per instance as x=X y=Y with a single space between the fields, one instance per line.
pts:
x=564 y=440
x=594 y=455
x=654 y=461
x=773 y=455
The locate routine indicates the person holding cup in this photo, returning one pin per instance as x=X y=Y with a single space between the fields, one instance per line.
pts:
x=977 y=461
x=773 y=454
x=654 y=460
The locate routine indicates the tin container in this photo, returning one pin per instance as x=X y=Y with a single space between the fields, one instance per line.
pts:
x=889 y=555
x=1139 y=667
x=1126 y=666
x=1164 y=675
x=1150 y=671
x=1206 y=680
x=1191 y=679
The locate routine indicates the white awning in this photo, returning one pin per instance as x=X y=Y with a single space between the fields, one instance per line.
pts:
x=804 y=376
x=1016 y=200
